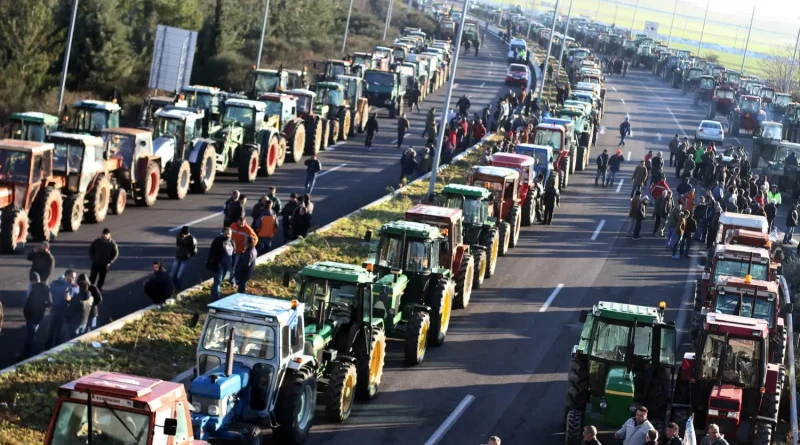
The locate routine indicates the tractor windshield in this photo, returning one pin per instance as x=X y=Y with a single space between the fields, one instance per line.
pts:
x=550 y=138
x=475 y=211
x=109 y=425
x=239 y=116
x=733 y=78
x=250 y=340
x=274 y=108
x=736 y=361
x=122 y=146
x=14 y=166
x=611 y=341
x=729 y=303
x=64 y=152
x=84 y=120
x=782 y=100
x=706 y=84
x=171 y=128
x=725 y=94
x=267 y=83
x=304 y=104
x=772 y=131
x=419 y=256
x=335 y=97
x=379 y=81
x=739 y=269
x=341 y=297
x=28 y=131
x=198 y=100
x=390 y=253
x=751 y=105
x=360 y=60
x=695 y=72
x=767 y=94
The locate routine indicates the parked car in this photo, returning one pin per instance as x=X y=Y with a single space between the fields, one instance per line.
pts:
x=517 y=74
x=709 y=131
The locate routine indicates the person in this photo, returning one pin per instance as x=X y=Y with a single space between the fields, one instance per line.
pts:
x=463 y=105
x=674 y=229
x=103 y=252
x=624 y=67
x=413 y=98
x=590 y=435
x=624 y=130
x=494 y=440
x=663 y=207
x=673 y=434
x=97 y=300
x=42 y=261
x=39 y=300
x=681 y=156
x=487 y=115
x=313 y=167
x=240 y=233
x=639 y=178
x=551 y=198
x=231 y=209
x=301 y=221
x=478 y=129
x=711 y=237
x=261 y=206
x=286 y=217
x=402 y=128
x=159 y=286
x=78 y=311
x=372 y=129
x=243 y=270
x=674 y=146
x=641 y=214
x=774 y=194
x=220 y=260
x=408 y=165
x=652 y=437
x=467 y=45
x=614 y=163
x=634 y=430
x=266 y=228
x=430 y=124
x=477 y=45
x=713 y=437
x=699 y=217
x=689 y=166
x=771 y=210
x=689 y=228
x=656 y=168
x=62 y=290
x=791 y=223
x=276 y=202
x=185 y=249
x=602 y=167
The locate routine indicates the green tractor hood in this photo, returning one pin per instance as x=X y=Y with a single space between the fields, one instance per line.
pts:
x=613 y=407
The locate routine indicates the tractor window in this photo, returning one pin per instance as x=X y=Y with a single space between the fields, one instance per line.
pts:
x=47 y=164
x=203 y=100
x=122 y=146
x=751 y=106
x=740 y=269
x=764 y=310
x=239 y=116
x=550 y=138
x=251 y=340
x=767 y=94
x=611 y=342
x=37 y=172
x=668 y=344
x=782 y=100
x=643 y=341
x=335 y=97
x=706 y=84
x=738 y=360
x=772 y=131
x=63 y=152
x=72 y=425
x=304 y=103
x=725 y=94
x=419 y=257
x=267 y=82
x=97 y=120
x=390 y=253
x=475 y=211
x=171 y=128
x=274 y=108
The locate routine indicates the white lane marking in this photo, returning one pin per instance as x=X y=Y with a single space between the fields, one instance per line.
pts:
x=658 y=135
x=737 y=141
x=623 y=101
x=455 y=85
x=484 y=83
x=197 y=221
x=491 y=63
x=330 y=170
x=614 y=88
x=674 y=119
x=333 y=147
x=619 y=186
x=603 y=129
x=598 y=229
x=629 y=156
x=551 y=297
x=450 y=420
x=394 y=141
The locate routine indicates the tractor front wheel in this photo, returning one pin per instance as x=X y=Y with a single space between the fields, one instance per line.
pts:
x=313 y=135
x=370 y=364
x=281 y=152
x=147 y=189
x=344 y=124
x=441 y=303
x=416 y=338
x=341 y=391
x=577 y=384
x=492 y=244
x=326 y=132
x=528 y=209
x=178 y=179
x=119 y=200
x=505 y=235
x=464 y=278
x=204 y=170
x=72 y=217
x=248 y=163
x=297 y=143
x=97 y=201
x=333 y=133
x=515 y=219
x=13 y=230
x=269 y=156
x=574 y=429
x=294 y=409
x=45 y=218
x=480 y=269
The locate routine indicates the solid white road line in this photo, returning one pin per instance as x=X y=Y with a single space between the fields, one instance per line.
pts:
x=491 y=63
x=330 y=170
x=394 y=141
x=629 y=156
x=333 y=147
x=551 y=297
x=438 y=435
x=658 y=135
x=598 y=229
x=619 y=186
x=197 y=221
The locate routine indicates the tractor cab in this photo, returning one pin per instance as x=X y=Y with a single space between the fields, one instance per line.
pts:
x=779 y=171
x=280 y=109
x=91 y=117
x=305 y=100
x=363 y=60
x=717 y=71
x=749 y=298
x=204 y=98
x=31 y=126
x=473 y=201
x=121 y=408
x=738 y=261
x=502 y=182
x=523 y=164
x=554 y=136
x=247 y=114
x=767 y=95
x=542 y=159
x=729 y=221
x=733 y=79
x=79 y=159
x=333 y=68
x=782 y=100
x=333 y=94
x=706 y=83
x=694 y=73
x=449 y=221
x=134 y=148
x=176 y=129
x=296 y=79
x=152 y=104
x=267 y=81
x=400 y=51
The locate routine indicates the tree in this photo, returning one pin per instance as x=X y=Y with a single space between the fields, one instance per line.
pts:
x=712 y=57
x=776 y=69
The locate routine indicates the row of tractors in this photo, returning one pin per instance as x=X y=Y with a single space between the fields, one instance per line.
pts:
x=56 y=174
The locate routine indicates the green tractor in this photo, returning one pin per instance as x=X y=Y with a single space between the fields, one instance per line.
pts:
x=333 y=96
x=281 y=114
x=32 y=126
x=625 y=359
x=205 y=98
x=583 y=133
x=91 y=117
x=266 y=81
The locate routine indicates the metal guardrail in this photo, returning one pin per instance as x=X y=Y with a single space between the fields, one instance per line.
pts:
x=792 y=382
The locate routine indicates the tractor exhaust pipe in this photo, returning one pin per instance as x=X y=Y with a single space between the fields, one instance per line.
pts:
x=229 y=354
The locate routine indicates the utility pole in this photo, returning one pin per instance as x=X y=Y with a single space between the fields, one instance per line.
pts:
x=674 y=11
x=791 y=67
x=597 y=13
x=747 y=44
x=263 y=33
x=408 y=9
x=703 y=31
x=388 y=19
x=549 y=48
x=437 y=154
x=530 y=20
x=563 y=41
x=634 y=15
x=347 y=26
x=67 y=50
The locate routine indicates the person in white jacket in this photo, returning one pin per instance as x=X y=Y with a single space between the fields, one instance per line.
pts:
x=634 y=430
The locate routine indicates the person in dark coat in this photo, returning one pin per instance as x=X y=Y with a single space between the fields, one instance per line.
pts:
x=78 y=310
x=313 y=168
x=372 y=129
x=301 y=221
x=402 y=129
x=159 y=286
x=614 y=163
x=220 y=260
x=772 y=211
x=656 y=168
x=39 y=300
x=232 y=209
x=42 y=261
x=551 y=200
x=673 y=434
x=97 y=300
x=602 y=168
x=641 y=214
x=185 y=249
x=688 y=235
x=245 y=266
x=103 y=252
x=286 y=213
x=791 y=223
x=408 y=165
x=413 y=98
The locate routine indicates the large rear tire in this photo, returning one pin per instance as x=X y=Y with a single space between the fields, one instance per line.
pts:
x=281 y=153
x=480 y=269
x=45 y=217
x=441 y=303
x=204 y=170
x=416 y=338
x=577 y=384
x=72 y=217
x=313 y=135
x=528 y=209
x=505 y=235
x=297 y=143
x=247 y=163
x=370 y=364
x=269 y=157
x=464 y=279
x=515 y=219
x=97 y=201
x=13 y=230
x=326 y=132
x=344 y=124
x=179 y=178
x=574 y=429
x=147 y=188
x=341 y=391
x=294 y=409
x=333 y=134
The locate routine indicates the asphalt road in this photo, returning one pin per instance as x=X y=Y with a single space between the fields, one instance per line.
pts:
x=352 y=177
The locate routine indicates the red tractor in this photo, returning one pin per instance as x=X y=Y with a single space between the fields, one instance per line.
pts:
x=555 y=136
x=457 y=254
x=728 y=381
x=730 y=221
x=528 y=192
x=747 y=115
x=504 y=185
x=731 y=261
x=722 y=101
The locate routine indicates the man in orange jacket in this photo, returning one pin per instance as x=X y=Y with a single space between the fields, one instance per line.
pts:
x=240 y=231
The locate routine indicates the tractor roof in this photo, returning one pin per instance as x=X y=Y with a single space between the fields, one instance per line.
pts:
x=276 y=97
x=734 y=324
x=342 y=272
x=768 y=286
x=200 y=89
x=499 y=172
x=571 y=110
x=344 y=76
x=434 y=213
x=266 y=71
x=244 y=103
x=179 y=113
x=512 y=159
x=302 y=92
x=35 y=117
x=126 y=131
x=470 y=191
x=97 y=105
x=783 y=94
x=329 y=85
x=362 y=54
x=748 y=97
x=26 y=146
x=412 y=229
x=125 y=390
x=84 y=139
x=627 y=312
x=744 y=220
x=296 y=72
x=257 y=306
x=340 y=62
x=740 y=250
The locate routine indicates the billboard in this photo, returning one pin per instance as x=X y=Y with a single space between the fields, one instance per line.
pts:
x=651 y=29
x=173 y=56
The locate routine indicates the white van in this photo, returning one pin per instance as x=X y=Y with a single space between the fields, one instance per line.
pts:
x=514 y=47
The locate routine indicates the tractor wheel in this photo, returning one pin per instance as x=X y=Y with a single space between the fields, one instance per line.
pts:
x=393 y=111
x=480 y=269
x=416 y=338
x=97 y=201
x=204 y=170
x=505 y=235
x=269 y=156
x=333 y=134
x=657 y=393
x=72 y=217
x=370 y=366
x=574 y=429
x=581 y=158
x=297 y=144
x=698 y=320
x=13 y=230
x=763 y=434
x=45 y=218
x=119 y=200
x=147 y=188
x=712 y=110
x=281 y=152
x=313 y=135
x=355 y=122
x=294 y=409
x=341 y=391
x=248 y=163
x=577 y=384
x=779 y=353
x=515 y=219
x=326 y=132
x=528 y=209
x=585 y=140
x=344 y=124
x=441 y=304
x=492 y=244
x=179 y=177
x=464 y=278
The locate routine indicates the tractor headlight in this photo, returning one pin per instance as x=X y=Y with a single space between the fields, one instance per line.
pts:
x=733 y=414
x=213 y=410
x=713 y=412
x=603 y=404
x=196 y=407
x=633 y=408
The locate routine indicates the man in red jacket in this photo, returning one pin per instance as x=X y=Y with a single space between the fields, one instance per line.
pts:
x=478 y=129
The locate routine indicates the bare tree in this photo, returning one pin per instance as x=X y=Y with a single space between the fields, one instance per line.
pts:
x=712 y=57
x=776 y=69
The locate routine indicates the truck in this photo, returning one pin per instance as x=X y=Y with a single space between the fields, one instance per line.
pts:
x=385 y=90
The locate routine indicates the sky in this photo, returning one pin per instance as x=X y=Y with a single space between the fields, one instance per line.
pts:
x=782 y=10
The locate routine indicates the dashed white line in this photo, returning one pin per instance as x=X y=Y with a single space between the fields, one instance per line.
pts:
x=450 y=420
x=394 y=141
x=619 y=186
x=455 y=85
x=598 y=229
x=330 y=170
x=551 y=297
x=629 y=156
x=197 y=221
x=674 y=119
x=484 y=83
x=491 y=63
x=623 y=100
x=614 y=88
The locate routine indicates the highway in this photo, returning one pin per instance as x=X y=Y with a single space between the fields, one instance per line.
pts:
x=352 y=176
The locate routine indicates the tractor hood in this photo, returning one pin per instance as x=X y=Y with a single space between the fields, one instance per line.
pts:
x=215 y=385
x=164 y=148
x=618 y=396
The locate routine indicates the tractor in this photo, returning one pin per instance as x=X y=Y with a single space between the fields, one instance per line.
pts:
x=204 y=98
x=297 y=79
x=582 y=125
x=152 y=104
x=529 y=192
x=732 y=260
x=335 y=97
x=628 y=49
x=548 y=133
x=625 y=358
x=385 y=90
x=747 y=115
x=91 y=117
x=313 y=115
x=121 y=408
x=705 y=89
x=780 y=172
x=691 y=79
x=727 y=380
x=263 y=81
x=464 y=264
x=281 y=114
x=31 y=126
x=334 y=68
x=188 y=161
x=504 y=184
x=780 y=105
x=479 y=225
x=140 y=175
x=30 y=199
x=767 y=95
x=765 y=143
x=721 y=101
x=359 y=105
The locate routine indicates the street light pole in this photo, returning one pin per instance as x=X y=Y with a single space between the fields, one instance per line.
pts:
x=263 y=33
x=549 y=49
x=388 y=19
x=674 y=11
x=437 y=154
x=634 y=15
x=791 y=67
x=347 y=26
x=597 y=13
x=67 y=50
x=563 y=41
x=530 y=20
x=703 y=31
x=747 y=44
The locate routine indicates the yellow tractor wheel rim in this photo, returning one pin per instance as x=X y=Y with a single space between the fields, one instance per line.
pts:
x=349 y=391
x=446 y=307
x=482 y=267
x=423 y=340
x=375 y=362
x=495 y=248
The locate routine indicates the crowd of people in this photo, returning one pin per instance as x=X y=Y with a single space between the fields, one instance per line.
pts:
x=639 y=431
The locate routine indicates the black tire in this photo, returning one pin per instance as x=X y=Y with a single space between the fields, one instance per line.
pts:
x=72 y=217
x=528 y=209
x=577 y=384
x=763 y=434
x=247 y=160
x=779 y=353
x=341 y=391
x=313 y=135
x=355 y=121
x=119 y=201
x=464 y=279
x=581 y=161
x=296 y=387
x=204 y=170
x=492 y=244
x=698 y=299
x=393 y=111
x=147 y=187
x=370 y=365
x=574 y=427
x=515 y=219
x=326 y=134
x=297 y=143
x=481 y=268
x=179 y=178
x=45 y=217
x=14 y=227
x=712 y=110
x=333 y=134
x=344 y=124
x=657 y=394
x=441 y=303
x=97 y=201
x=416 y=338
x=505 y=235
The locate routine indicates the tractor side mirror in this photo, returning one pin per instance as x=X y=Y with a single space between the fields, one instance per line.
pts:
x=105 y=155
x=170 y=427
x=583 y=315
x=368 y=236
x=192 y=323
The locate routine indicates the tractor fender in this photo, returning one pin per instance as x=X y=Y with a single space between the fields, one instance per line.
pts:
x=141 y=166
x=353 y=335
x=459 y=254
x=773 y=384
x=267 y=135
x=198 y=148
x=94 y=181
